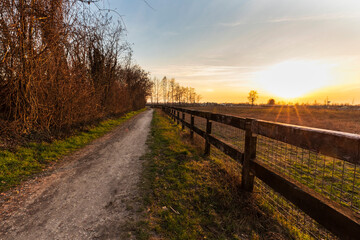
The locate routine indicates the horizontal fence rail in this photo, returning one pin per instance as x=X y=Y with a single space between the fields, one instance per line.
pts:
x=336 y=218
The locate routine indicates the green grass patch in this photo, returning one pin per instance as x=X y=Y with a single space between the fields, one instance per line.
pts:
x=18 y=165
x=196 y=197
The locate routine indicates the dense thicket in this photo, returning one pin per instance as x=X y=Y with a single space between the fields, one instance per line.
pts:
x=62 y=63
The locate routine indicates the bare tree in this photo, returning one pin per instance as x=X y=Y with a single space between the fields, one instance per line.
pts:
x=164 y=88
x=62 y=63
x=192 y=95
x=156 y=89
x=253 y=96
x=172 y=89
x=184 y=92
x=198 y=98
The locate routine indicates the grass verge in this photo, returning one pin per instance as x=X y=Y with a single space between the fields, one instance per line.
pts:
x=196 y=197
x=18 y=165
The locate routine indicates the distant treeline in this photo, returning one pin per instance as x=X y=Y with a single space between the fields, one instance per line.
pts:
x=169 y=91
x=63 y=63
x=281 y=104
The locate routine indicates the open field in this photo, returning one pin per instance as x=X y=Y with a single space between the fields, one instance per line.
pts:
x=345 y=120
x=333 y=178
x=336 y=179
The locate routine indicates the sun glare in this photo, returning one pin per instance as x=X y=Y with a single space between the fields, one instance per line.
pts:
x=293 y=79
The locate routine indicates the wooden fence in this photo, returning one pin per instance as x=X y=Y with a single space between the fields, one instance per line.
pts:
x=338 y=219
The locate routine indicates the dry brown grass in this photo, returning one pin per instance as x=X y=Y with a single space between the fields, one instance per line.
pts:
x=344 y=120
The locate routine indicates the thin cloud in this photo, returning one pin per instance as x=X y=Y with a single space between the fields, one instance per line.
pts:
x=292 y=19
x=212 y=74
x=313 y=18
x=231 y=24
x=203 y=70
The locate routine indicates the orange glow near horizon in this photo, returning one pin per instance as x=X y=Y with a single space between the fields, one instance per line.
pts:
x=293 y=79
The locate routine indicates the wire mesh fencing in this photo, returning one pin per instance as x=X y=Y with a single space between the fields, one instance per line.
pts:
x=335 y=179
x=290 y=216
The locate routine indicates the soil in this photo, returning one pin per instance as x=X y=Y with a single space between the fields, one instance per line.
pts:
x=92 y=194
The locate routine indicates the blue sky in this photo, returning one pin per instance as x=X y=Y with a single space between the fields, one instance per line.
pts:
x=220 y=46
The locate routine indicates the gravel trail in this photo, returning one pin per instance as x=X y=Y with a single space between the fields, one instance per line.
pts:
x=93 y=194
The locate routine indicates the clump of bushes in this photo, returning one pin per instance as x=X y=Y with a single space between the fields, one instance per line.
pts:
x=62 y=64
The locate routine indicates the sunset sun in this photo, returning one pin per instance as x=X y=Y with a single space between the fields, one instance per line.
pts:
x=293 y=79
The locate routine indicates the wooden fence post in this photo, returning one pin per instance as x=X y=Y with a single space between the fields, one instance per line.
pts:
x=208 y=132
x=192 y=127
x=247 y=178
x=177 y=117
x=183 y=120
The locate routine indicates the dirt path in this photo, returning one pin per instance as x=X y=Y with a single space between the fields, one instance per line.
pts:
x=93 y=195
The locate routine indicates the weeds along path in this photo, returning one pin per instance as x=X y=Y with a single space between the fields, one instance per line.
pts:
x=92 y=196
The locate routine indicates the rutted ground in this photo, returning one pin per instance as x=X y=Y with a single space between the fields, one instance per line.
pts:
x=94 y=195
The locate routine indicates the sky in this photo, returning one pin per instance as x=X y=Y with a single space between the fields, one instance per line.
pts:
x=284 y=49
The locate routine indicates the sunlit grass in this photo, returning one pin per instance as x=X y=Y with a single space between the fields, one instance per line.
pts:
x=333 y=178
x=15 y=166
x=196 y=197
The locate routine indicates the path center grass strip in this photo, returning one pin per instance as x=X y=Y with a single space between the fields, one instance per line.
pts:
x=192 y=197
x=26 y=161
